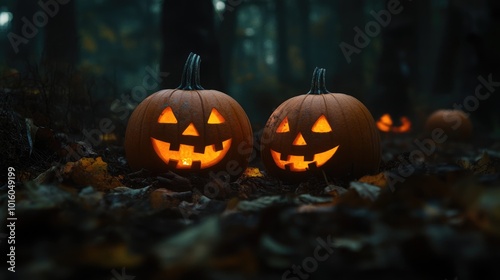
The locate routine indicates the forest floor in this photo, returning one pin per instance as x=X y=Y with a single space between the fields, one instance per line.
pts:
x=91 y=217
x=95 y=219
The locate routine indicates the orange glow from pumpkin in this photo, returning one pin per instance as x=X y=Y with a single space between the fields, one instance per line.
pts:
x=215 y=117
x=385 y=124
x=283 y=127
x=167 y=116
x=186 y=155
x=321 y=125
x=298 y=164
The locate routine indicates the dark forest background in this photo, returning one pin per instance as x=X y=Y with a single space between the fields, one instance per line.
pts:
x=262 y=52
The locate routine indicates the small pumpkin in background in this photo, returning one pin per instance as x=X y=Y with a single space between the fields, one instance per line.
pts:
x=455 y=124
x=189 y=129
x=320 y=131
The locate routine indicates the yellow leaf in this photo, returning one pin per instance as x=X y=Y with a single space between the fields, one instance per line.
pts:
x=93 y=172
x=378 y=180
x=253 y=172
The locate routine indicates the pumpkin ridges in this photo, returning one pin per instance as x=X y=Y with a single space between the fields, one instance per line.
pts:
x=198 y=95
x=353 y=145
x=354 y=124
x=244 y=125
x=375 y=135
x=163 y=95
x=344 y=102
x=207 y=100
x=356 y=110
x=217 y=99
x=139 y=111
x=243 y=119
x=296 y=128
x=343 y=121
x=371 y=133
x=293 y=102
x=143 y=127
x=212 y=99
x=328 y=115
x=143 y=110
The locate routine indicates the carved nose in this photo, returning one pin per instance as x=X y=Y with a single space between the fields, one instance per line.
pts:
x=190 y=130
x=299 y=140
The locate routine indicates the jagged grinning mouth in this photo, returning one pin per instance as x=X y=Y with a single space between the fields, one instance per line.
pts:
x=297 y=163
x=186 y=156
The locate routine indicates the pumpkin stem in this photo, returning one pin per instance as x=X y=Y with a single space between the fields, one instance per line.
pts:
x=318 y=85
x=191 y=73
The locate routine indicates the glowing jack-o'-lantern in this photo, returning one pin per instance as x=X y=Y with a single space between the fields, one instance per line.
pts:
x=332 y=132
x=386 y=124
x=185 y=155
x=189 y=129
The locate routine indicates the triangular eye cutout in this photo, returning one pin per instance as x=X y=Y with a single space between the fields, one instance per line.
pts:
x=167 y=116
x=215 y=117
x=321 y=125
x=299 y=140
x=283 y=127
x=190 y=130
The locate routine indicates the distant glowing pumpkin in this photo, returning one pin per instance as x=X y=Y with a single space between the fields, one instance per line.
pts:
x=320 y=131
x=189 y=129
x=385 y=124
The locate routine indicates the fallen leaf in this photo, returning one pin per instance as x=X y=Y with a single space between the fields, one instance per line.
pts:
x=261 y=203
x=90 y=172
x=253 y=172
x=487 y=163
x=124 y=197
x=366 y=191
x=174 y=182
x=164 y=199
x=190 y=247
x=378 y=180
x=42 y=197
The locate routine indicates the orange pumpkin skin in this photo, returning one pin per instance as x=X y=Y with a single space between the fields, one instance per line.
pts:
x=189 y=129
x=455 y=124
x=330 y=132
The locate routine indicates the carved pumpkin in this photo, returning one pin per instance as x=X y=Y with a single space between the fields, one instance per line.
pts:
x=189 y=129
x=333 y=132
x=455 y=124
x=385 y=124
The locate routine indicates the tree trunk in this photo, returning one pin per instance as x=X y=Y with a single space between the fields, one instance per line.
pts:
x=21 y=47
x=227 y=36
x=350 y=78
x=305 y=35
x=188 y=26
x=398 y=64
x=448 y=53
x=282 y=41
x=423 y=82
x=61 y=37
